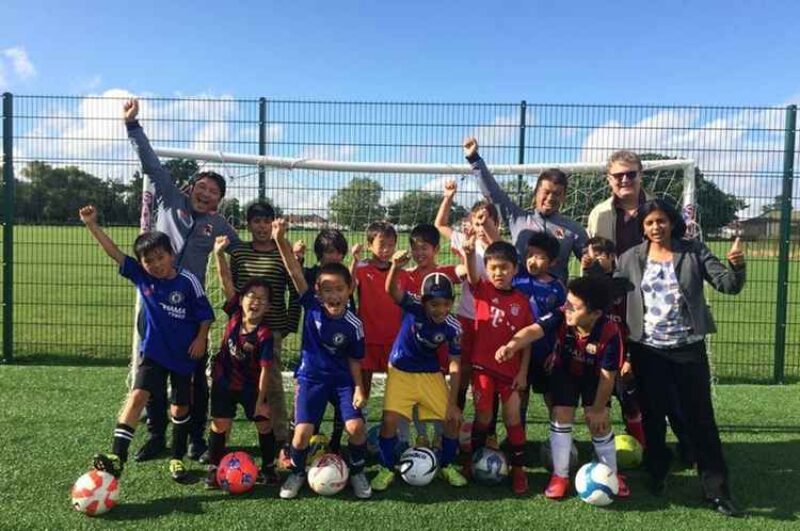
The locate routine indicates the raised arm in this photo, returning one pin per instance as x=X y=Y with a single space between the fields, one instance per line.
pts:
x=724 y=279
x=289 y=261
x=88 y=215
x=441 y=222
x=356 y=252
x=468 y=248
x=151 y=165
x=223 y=269
x=399 y=259
x=489 y=187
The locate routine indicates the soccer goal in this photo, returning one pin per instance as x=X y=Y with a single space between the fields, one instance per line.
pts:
x=673 y=178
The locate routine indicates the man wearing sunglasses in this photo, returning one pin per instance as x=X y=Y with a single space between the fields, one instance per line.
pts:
x=617 y=218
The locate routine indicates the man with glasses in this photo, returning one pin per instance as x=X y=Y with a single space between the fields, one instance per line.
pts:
x=616 y=218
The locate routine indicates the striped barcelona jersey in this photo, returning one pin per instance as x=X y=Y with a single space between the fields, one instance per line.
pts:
x=415 y=349
x=247 y=263
x=603 y=348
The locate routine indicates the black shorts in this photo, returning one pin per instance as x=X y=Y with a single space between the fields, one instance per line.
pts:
x=152 y=377
x=538 y=377
x=569 y=390
x=224 y=402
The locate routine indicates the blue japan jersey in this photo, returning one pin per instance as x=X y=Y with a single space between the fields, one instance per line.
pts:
x=544 y=298
x=328 y=343
x=414 y=349
x=173 y=309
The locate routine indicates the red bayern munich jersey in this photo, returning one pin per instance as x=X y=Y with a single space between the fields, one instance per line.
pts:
x=412 y=279
x=376 y=309
x=499 y=314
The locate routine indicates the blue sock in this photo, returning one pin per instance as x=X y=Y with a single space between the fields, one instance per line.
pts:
x=387 y=446
x=298 y=459
x=449 y=448
x=357 y=457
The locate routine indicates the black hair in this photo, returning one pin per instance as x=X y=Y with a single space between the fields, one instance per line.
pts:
x=601 y=245
x=329 y=240
x=256 y=282
x=148 y=242
x=501 y=251
x=336 y=268
x=553 y=175
x=490 y=209
x=214 y=176
x=594 y=291
x=425 y=233
x=546 y=242
x=675 y=219
x=260 y=209
x=383 y=228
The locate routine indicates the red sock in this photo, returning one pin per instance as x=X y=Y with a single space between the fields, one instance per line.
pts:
x=633 y=426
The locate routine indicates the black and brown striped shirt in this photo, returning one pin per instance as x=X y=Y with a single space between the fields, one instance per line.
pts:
x=247 y=263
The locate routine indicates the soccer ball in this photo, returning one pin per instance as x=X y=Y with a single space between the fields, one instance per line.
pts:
x=465 y=437
x=95 y=492
x=418 y=466
x=596 y=484
x=237 y=473
x=328 y=475
x=489 y=466
x=546 y=456
x=629 y=451
x=317 y=447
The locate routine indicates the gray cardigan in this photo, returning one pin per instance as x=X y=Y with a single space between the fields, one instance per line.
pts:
x=694 y=263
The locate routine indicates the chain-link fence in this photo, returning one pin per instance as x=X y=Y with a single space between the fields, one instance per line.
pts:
x=65 y=302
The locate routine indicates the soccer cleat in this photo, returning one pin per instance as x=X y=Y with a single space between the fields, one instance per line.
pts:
x=211 y=478
x=422 y=440
x=624 y=491
x=110 y=463
x=383 y=479
x=152 y=448
x=292 y=486
x=268 y=477
x=557 y=488
x=519 y=480
x=178 y=472
x=491 y=442
x=205 y=458
x=726 y=506
x=361 y=486
x=453 y=476
x=197 y=449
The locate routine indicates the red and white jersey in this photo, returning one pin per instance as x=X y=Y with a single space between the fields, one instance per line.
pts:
x=466 y=306
x=499 y=314
x=412 y=279
x=376 y=309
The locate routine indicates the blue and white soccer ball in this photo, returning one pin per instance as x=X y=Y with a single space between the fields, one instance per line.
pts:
x=418 y=466
x=489 y=466
x=596 y=484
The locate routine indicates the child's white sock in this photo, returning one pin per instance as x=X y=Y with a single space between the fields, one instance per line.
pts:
x=560 y=446
x=606 y=450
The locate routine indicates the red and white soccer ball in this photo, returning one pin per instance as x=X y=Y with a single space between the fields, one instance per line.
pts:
x=465 y=437
x=237 y=473
x=95 y=493
x=328 y=475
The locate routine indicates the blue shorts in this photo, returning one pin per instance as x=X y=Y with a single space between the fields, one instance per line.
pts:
x=312 y=397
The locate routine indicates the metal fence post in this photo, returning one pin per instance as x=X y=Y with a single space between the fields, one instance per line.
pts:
x=262 y=147
x=8 y=227
x=523 y=106
x=785 y=239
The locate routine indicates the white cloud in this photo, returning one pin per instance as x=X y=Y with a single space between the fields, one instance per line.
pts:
x=21 y=64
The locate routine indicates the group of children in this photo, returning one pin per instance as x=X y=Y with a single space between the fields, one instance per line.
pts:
x=516 y=328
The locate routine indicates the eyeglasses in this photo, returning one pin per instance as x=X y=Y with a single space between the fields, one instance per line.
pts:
x=631 y=175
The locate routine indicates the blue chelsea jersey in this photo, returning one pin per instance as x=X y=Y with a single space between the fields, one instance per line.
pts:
x=414 y=349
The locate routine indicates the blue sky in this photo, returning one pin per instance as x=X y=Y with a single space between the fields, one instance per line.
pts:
x=712 y=52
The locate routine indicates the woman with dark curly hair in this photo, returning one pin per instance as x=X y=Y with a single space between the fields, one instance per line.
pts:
x=668 y=320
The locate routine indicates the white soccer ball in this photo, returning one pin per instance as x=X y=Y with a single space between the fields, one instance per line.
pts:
x=328 y=475
x=596 y=484
x=546 y=456
x=489 y=467
x=95 y=493
x=418 y=466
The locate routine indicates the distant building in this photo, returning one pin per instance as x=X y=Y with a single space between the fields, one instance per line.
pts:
x=306 y=221
x=767 y=226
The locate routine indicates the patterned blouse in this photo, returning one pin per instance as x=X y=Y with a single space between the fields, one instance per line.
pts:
x=665 y=322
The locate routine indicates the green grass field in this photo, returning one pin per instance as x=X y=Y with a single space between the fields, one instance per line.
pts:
x=72 y=308
x=55 y=417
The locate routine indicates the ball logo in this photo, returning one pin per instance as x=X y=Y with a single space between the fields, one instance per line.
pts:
x=338 y=339
x=438 y=338
x=591 y=348
x=494 y=464
x=176 y=297
x=559 y=233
